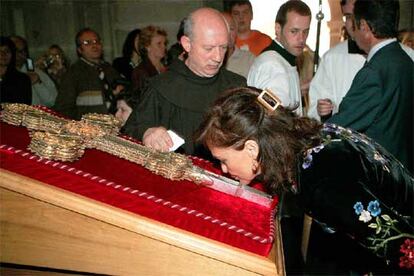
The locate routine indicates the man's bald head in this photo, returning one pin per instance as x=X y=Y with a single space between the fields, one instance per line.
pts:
x=203 y=17
x=206 y=37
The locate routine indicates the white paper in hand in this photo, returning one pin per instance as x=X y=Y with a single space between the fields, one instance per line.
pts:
x=177 y=140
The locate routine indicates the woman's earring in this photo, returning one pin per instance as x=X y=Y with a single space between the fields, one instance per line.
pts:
x=254 y=166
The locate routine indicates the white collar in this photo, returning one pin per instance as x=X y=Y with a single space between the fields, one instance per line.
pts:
x=280 y=44
x=378 y=46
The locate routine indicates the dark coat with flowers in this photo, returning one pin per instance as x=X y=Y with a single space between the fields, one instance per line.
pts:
x=353 y=187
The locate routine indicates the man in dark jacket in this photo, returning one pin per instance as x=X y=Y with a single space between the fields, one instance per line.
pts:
x=379 y=102
x=87 y=87
x=176 y=100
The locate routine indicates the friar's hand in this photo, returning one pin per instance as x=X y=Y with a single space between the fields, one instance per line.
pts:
x=157 y=138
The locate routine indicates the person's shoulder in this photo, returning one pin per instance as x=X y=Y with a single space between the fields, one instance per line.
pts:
x=137 y=70
x=21 y=77
x=231 y=76
x=338 y=56
x=243 y=54
x=108 y=66
x=256 y=34
x=120 y=60
x=162 y=82
x=78 y=70
x=393 y=55
x=41 y=73
x=336 y=151
x=77 y=65
x=408 y=51
x=268 y=58
x=340 y=48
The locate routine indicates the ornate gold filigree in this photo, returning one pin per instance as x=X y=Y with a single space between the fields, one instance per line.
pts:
x=56 y=138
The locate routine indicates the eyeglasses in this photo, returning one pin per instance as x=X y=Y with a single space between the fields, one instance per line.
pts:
x=91 y=42
x=347 y=17
x=56 y=56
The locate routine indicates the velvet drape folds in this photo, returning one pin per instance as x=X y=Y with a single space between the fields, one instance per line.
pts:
x=120 y=183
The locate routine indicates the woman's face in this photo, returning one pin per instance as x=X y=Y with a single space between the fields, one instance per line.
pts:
x=237 y=163
x=5 y=56
x=123 y=111
x=157 y=46
x=55 y=56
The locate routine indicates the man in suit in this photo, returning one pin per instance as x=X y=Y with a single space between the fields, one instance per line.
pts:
x=336 y=71
x=379 y=102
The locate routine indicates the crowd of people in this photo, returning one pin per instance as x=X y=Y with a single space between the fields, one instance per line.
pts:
x=337 y=146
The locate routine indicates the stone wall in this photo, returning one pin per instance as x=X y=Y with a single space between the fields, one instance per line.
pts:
x=46 y=22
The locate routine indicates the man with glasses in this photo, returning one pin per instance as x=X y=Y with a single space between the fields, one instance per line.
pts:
x=88 y=85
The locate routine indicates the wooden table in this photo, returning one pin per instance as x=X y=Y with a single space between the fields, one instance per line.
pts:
x=45 y=226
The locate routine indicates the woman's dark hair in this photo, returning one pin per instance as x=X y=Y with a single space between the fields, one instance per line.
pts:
x=282 y=137
x=129 y=44
x=6 y=41
x=129 y=99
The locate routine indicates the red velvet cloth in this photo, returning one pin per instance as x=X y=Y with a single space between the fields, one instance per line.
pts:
x=123 y=184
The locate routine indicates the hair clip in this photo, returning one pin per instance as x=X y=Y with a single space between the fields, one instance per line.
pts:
x=268 y=100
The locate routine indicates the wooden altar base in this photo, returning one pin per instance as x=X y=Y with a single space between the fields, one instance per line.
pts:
x=45 y=226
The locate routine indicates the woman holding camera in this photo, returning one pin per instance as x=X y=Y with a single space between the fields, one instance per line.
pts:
x=347 y=183
x=54 y=63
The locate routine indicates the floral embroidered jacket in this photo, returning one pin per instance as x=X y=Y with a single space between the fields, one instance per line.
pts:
x=351 y=185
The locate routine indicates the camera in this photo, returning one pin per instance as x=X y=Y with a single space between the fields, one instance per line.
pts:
x=48 y=61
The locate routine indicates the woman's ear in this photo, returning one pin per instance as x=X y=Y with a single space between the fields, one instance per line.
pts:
x=252 y=149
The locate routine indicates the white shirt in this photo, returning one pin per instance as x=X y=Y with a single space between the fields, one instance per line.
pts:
x=334 y=77
x=271 y=71
x=409 y=51
x=240 y=62
x=44 y=92
x=378 y=47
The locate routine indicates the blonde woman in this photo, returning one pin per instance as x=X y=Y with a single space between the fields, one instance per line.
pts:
x=152 y=46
